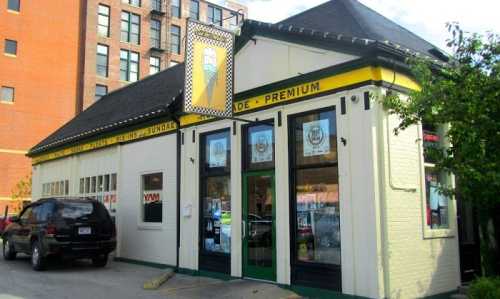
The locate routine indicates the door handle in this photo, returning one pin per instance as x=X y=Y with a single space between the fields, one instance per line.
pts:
x=244 y=229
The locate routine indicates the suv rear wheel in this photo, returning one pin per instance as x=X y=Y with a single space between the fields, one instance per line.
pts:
x=100 y=260
x=37 y=258
x=9 y=253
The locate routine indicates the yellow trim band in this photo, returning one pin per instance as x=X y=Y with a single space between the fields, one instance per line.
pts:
x=141 y=133
x=285 y=95
x=9 y=151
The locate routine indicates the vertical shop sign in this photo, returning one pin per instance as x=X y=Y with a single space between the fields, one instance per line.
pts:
x=316 y=137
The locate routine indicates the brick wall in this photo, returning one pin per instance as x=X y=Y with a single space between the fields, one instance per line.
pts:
x=44 y=75
x=417 y=265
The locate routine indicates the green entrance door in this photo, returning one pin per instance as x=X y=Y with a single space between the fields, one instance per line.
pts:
x=259 y=234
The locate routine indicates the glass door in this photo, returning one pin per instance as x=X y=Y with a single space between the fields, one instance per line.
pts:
x=259 y=234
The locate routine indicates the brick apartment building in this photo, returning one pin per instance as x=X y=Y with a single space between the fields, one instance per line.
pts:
x=58 y=57
x=127 y=40
x=38 y=80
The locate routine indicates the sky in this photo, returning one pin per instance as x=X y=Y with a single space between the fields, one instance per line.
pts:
x=426 y=18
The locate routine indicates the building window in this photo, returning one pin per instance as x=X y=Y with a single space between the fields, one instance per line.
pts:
x=436 y=202
x=152 y=197
x=216 y=192
x=315 y=209
x=102 y=60
x=13 y=5
x=7 y=94
x=259 y=147
x=130 y=27
x=133 y=2
x=175 y=39
x=154 y=65
x=156 y=5
x=10 y=47
x=129 y=66
x=194 y=10
x=234 y=20
x=103 y=20
x=214 y=15
x=176 y=8
x=155 y=34
x=100 y=91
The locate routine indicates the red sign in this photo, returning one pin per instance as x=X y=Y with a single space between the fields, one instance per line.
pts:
x=151 y=197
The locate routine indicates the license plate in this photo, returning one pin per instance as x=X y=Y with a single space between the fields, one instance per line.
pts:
x=84 y=231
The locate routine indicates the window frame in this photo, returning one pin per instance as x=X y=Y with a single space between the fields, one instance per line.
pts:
x=7 y=44
x=427 y=231
x=14 y=9
x=192 y=12
x=141 y=225
x=297 y=266
x=102 y=55
x=158 y=67
x=131 y=2
x=211 y=9
x=13 y=89
x=155 y=39
x=156 y=5
x=175 y=10
x=130 y=25
x=177 y=38
x=211 y=260
x=100 y=96
x=107 y=16
x=129 y=65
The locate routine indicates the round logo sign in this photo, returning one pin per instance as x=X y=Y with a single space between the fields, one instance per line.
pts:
x=262 y=144
x=316 y=135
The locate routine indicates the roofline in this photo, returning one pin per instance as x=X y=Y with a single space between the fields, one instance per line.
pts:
x=176 y=108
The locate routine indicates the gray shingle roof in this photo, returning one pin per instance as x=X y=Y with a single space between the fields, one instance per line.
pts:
x=351 y=18
x=139 y=101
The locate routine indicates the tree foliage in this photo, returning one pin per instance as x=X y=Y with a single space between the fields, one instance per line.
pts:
x=22 y=189
x=465 y=94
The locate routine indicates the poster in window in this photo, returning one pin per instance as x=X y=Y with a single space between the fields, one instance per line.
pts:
x=316 y=138
x=262 y=146
x=217 y=153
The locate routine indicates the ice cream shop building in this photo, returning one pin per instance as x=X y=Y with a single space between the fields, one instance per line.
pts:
x=305 y=185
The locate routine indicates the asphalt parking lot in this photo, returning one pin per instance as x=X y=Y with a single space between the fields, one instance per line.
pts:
x=81 y=280
x=74 y=280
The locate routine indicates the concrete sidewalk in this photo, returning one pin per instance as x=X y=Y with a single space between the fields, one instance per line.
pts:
x=186 y=286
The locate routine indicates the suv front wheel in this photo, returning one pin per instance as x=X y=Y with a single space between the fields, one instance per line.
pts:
x=9 y=253
x=37 y=258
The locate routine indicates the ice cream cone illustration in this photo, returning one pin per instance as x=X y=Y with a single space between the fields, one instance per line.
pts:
x=210 y=71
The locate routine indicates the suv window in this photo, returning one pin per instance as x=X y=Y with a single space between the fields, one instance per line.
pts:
x=27 y=215
x=43 y=212
x=75 y=210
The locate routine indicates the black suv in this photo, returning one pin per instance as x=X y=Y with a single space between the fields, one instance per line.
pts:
x=70 y=228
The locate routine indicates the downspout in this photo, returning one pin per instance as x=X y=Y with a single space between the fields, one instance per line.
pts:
x=175 y=118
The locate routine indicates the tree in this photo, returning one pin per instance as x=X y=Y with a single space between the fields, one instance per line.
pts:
x=21 y=191
x=464 y=94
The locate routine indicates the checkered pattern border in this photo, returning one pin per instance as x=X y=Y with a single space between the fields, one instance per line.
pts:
x=192 y=27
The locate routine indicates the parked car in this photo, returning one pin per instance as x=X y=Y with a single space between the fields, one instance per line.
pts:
x=4 y=221
x=71 y=228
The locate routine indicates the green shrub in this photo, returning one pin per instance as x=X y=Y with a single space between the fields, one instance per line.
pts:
x=485 y=288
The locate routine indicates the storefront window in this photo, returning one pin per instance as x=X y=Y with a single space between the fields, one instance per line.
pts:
x=436 y=202
x=217 y=214
x=152 y=197
x=316 y=199
x=259 y=147
x=216 y=192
